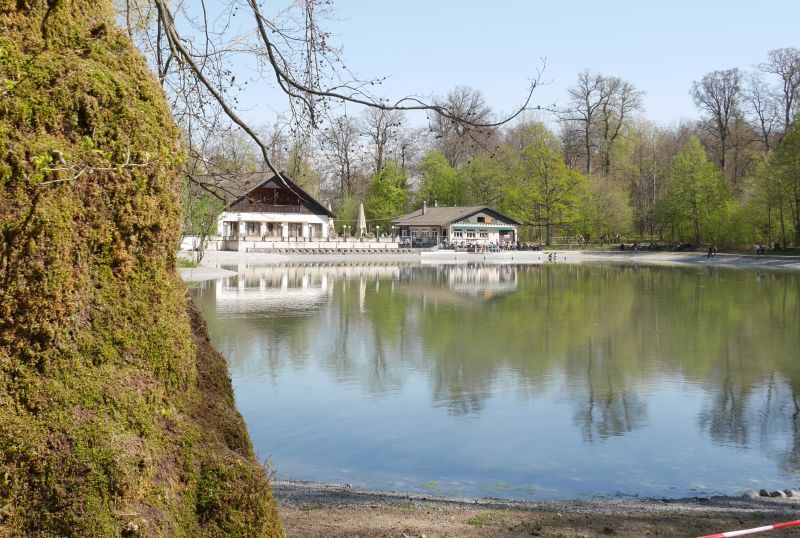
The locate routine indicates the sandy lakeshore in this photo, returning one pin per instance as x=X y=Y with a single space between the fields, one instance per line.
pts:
x=317 y=510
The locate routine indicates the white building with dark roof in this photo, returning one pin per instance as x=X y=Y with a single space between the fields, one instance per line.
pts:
x=469 y=224
x=261 y=207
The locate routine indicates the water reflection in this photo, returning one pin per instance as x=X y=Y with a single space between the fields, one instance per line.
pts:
x=702 y=361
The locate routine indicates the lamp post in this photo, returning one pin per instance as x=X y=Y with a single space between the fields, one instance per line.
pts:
x=378 y=232
x=345 y=232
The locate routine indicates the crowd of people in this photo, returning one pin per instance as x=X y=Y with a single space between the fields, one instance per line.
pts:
x=474 y=246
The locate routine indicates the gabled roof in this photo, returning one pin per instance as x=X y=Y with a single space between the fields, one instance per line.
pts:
x=441 y=216
x=235 y=187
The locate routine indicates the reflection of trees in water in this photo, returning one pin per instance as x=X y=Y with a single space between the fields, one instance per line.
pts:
x=608 y=407
x=606 y=331
x=790 y=460
x=751 y=380
x=725 y=418
x=461 y=394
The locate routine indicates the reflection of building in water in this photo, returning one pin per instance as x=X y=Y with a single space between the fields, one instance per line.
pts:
x=482 y=280
x=291 y=287
x=454 y=283
x=306 y=285
x=261 y=288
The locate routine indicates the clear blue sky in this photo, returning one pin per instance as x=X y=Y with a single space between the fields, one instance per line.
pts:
x=429 y=47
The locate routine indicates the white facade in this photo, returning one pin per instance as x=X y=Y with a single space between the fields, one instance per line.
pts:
x=251 y=226
x=482 y=234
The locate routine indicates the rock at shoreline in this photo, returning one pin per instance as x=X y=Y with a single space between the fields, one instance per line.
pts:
x=777 y=493
x=763 y=493
x=750 y=494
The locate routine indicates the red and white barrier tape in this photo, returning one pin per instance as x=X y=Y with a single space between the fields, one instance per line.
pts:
x=776 y=526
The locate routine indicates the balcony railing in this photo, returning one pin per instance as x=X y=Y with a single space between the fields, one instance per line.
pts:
x=271 y=208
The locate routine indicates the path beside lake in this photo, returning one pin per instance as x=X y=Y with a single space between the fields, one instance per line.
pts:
x=199 y=274
x=784 y=263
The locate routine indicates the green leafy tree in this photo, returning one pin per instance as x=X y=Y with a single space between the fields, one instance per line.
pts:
x=440 y=181
x=762 y=203
x=201 y=211
x=607 y=211
x=346 y=213
x=544 y=191
x=486 y=177
x=695 y=191
x=386 y=197
x=786 y=167
x=300 y=169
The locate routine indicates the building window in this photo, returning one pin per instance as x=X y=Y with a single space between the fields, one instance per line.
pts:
x=253 y=228
x=481 y=219
x=458 y=234
x=484 y=235
x=470 y=235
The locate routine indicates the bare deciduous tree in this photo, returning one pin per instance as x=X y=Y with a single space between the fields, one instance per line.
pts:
x=785 y=63
x=600 y=108
x=192 y=55
x=719 y=95
x=459 y=140
x=381 y=127
x=622 y=100
x=586 y=99
x=762 y=107
x=341 y=143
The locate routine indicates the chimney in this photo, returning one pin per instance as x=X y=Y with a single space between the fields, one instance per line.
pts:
x=436 y=203
x=424 y=207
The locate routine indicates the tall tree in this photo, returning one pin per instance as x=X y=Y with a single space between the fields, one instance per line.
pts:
x=718 y=94
x=786 y=167
x=386 y=196
x=695 y=190
x=381 y=128
x=607 y=211
x=300 y=168
x=487 y=176
x=586 y=98
x=440 y=183
x=545 y=191
x=600 y=109
x=785 y=63
x=622 y=101
x=763 y=108
x=457 y=141
x=341 y=143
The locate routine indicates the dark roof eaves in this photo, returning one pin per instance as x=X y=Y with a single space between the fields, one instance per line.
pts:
x=408 y=219
x=292 y=185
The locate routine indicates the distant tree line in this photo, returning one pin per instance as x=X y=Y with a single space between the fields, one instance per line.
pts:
x=594 y=169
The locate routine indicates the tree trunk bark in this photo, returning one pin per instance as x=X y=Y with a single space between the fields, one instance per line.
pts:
x=116 y=391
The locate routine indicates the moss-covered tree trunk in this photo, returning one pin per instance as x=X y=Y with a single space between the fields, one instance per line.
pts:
x=116 y=415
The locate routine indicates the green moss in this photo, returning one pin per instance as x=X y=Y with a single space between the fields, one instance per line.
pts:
x=118 y=417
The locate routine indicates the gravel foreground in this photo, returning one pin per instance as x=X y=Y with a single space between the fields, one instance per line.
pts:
x=330 y=510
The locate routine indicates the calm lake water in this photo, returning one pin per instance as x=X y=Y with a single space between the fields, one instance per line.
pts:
x=553 y=381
